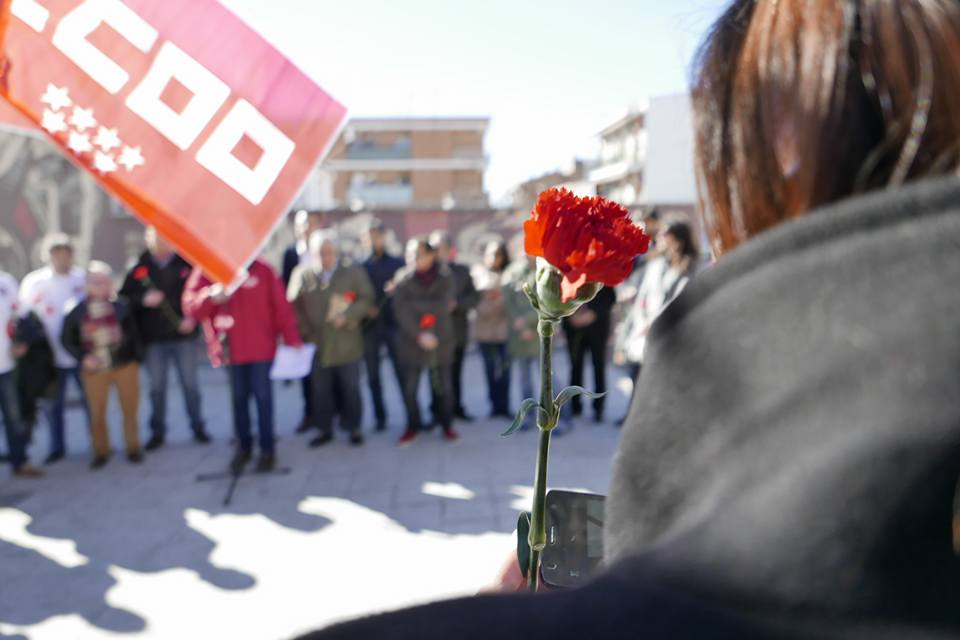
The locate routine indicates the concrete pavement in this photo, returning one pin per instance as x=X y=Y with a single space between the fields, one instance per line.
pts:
x=148 y=552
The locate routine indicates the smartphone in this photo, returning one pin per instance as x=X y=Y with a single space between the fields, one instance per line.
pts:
x=574 y=538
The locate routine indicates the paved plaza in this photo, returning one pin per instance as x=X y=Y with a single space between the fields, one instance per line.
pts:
x=148 y=552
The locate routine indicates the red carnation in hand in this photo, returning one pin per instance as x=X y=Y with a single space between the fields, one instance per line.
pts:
x=587 y=239
x=141 y=273
x=350 y=296
x=428 y=321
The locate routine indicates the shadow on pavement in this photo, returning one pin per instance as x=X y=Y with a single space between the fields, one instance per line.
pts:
x=117 y=519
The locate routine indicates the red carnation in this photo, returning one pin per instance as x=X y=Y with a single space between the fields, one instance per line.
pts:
x=141 y=273
x=428 y=321
x=350 y=296
x=587 y=239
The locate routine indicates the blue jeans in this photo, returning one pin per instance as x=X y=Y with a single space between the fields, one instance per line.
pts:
x=496 y=362
x=185 y=357
x=12 y=425
x=55 y=409
x=247 y=381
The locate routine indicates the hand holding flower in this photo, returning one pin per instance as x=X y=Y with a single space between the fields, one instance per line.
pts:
x=92 y=363
x=187 y=326
x=153 y=298
x=427 y=341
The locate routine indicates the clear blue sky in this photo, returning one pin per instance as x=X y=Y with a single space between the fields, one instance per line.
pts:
x=550 y=74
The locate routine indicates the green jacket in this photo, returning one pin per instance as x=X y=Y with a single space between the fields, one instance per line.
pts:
x=518 y=306
x=411 y=300
x=312 y=302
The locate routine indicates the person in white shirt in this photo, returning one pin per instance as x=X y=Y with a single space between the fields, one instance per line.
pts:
x=664 y=278
x=49 y=292
x=13 y=426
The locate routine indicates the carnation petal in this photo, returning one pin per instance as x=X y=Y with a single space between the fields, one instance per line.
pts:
x=533 y=237
x=569 y=288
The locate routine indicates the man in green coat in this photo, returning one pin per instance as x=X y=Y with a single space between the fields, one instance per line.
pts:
x=331 y=297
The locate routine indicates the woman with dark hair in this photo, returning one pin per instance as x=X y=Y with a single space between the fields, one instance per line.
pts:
x=492 y=327
x=663 y=280
x=789 y=467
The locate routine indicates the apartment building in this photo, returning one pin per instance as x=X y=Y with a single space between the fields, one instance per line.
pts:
x=409 y=163
x=623 y=158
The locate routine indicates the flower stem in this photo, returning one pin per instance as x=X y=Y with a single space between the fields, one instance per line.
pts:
x=546 y=421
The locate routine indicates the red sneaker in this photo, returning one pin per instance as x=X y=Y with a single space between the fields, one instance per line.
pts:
x=450 y=435
x=407 y=437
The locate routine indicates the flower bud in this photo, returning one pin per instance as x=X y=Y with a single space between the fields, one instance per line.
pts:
x=547 y=293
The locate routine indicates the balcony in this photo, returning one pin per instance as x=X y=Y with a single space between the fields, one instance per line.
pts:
x=406 y=163
x=400 y=150
x=611 y=172
x=382 y=195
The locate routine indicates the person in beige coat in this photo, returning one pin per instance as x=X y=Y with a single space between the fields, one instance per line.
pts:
x=331 y=297
x=492 y=327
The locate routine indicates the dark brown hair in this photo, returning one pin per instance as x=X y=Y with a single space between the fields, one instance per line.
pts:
x=681 y=230
x=502 y=254
x=799 y=103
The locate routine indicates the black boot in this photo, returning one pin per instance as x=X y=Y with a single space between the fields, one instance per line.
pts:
x=240 y=460
x=266 y=462
x=322 y=439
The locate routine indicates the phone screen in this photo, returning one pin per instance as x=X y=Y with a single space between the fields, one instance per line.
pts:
x=574 y=537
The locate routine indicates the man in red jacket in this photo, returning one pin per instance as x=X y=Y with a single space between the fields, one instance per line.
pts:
x=241 y=331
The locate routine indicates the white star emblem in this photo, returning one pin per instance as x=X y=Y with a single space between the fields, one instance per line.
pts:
x=56 y=97
x=54 y=122
x=82 y=119
x=79 y=142
x=107 y=139
x=103 y=162
x=131 y=158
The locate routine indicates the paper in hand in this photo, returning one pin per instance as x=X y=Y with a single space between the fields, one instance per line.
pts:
x=293 y=363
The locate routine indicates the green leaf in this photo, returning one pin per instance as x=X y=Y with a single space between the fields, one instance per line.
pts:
x=525 y=408
x=523 y=542
x=570 y=393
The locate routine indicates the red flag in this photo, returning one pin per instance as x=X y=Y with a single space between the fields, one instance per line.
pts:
x=176 y=107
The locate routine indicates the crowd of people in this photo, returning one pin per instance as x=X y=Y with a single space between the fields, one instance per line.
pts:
x=415 y=314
